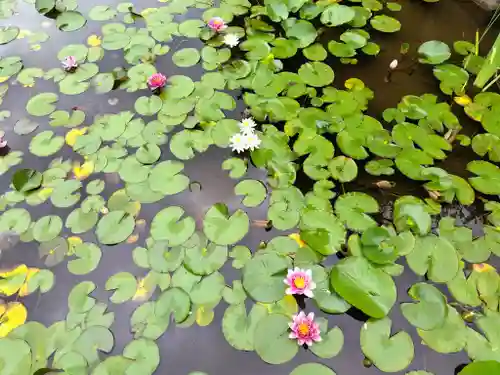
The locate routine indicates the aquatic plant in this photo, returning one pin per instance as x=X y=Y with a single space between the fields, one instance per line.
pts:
x=310 y=138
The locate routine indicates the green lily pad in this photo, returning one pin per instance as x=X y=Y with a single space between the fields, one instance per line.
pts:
x=336 y=15
x=25 y=126
x=254 y=191
x=434 y=256
x=46 y=143
x=363 y=286
x=263 y=277
x=271 y=340
x=124 y=284
x=89 y=256
x=115 y=227
x=148 y=105
x=239 y=328
x=25 y=180
x=222 y=228
x=47 y=228
x=166 y=178
x=167 y=225
x=450 y=337
x=388 y=353
x=70 y=21
x=316 y=73
x=42 y=104
x=312 y=368
x=385 y=23
x=430 y=312
x=434 y=52
x=186 y=57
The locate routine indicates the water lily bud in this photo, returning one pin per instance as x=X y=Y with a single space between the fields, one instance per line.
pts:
x=434 y=194
x=384 y=184
x=393 y=65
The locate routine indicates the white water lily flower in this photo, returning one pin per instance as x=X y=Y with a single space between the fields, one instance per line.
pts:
x=238 y=142
x=247 y=125
x=231 y=40
x=252 y=141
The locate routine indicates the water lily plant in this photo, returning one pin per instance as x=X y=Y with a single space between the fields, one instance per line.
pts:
x=304 y=329
x=216 y=24
x=69 y=64
x=300 y=282
x=157 y=81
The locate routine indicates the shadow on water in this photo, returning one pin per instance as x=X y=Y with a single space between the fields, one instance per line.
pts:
x=204 y=348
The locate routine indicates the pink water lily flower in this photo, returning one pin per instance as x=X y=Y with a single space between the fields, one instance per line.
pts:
x=69 y=63
x=217 y=24
x=157 y=81
x=300 y=282
x=3 y=142
x=304 y=329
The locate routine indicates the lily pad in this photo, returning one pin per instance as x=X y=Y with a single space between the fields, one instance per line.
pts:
x=115 y=227
x=271 y=340
x=363 y=286
x=222 y=228
x=388 y=353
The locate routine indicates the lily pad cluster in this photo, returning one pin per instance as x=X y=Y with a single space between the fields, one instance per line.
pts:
x=335 y=249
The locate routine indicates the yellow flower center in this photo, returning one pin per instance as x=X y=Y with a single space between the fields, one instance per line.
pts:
x=299 y=282
x=303 y=329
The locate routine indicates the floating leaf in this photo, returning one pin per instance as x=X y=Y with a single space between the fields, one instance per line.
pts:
x=434 y=52
x=254 y=191
x=312 y=368
x=167 y=225
x=271 y=340
x=263 y=277
x=89 y=256
x=388 y=353
x=222 y=228
x=115 y=227
x=429 y=313
x=70 y=21
x=385 y=23
x=363 y=286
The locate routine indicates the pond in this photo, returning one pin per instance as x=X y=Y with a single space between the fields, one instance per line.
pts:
x=335 y=158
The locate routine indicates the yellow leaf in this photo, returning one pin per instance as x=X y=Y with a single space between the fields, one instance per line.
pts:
x=23 y=291
x=73 y=134
x=29 y=85
x=73 y=242
x=94 y=40
x=3 y=79
x=133 y=238
x=83 y=171
x=462 y=100
x=145 y=288
x=35 y=47
x=11 y=281
x=204 y=316
x=14 y=316
x=296 y=237
x=482 y=267
x=354 y=83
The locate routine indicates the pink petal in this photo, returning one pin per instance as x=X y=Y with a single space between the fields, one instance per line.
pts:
x=3 y=144
x=302 y=315
x=312 y=285
x=288 y=291
x=308 y=293
x=310 y=316
x=292 y=335
x=309 y=342
x=309 y=273
x=300 y=341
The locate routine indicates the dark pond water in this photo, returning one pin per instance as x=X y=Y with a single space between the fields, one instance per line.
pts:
x=184 y=350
